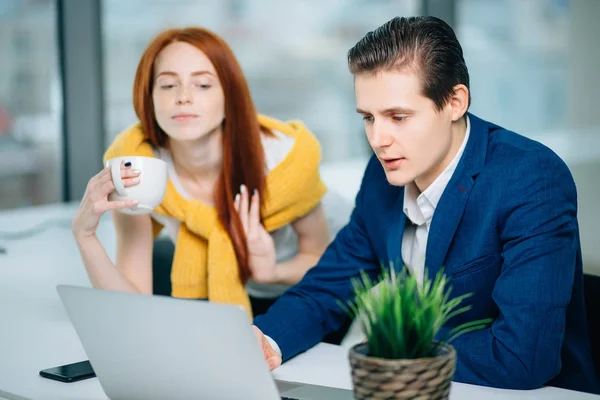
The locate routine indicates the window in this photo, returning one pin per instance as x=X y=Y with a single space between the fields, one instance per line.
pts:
x=292 y=52
x=534 y=67
x=30 y=105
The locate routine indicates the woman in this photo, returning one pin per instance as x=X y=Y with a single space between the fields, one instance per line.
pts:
x=243 y=192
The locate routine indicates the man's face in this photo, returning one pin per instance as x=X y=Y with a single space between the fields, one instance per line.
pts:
x=410 y=137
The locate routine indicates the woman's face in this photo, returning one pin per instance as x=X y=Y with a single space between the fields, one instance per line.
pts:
x=188 y=98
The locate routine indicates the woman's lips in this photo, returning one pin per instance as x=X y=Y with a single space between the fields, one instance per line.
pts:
x=184 y=117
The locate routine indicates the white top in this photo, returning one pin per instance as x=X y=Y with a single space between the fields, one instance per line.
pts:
x=419 y=209
x=286 y=241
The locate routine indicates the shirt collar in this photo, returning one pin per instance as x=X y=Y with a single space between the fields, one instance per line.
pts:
x=419 y=207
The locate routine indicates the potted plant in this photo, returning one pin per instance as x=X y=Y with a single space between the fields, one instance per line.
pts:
x=401 y=318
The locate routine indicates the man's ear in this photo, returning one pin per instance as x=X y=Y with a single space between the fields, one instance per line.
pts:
x=459 y=101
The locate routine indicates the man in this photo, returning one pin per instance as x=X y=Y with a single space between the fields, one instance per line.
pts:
x=444 y=188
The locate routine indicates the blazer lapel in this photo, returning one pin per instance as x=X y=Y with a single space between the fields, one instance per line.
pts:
x=445 y=221
x=452 y=204
x=395 y=230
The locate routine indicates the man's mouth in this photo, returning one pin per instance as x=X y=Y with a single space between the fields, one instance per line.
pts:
x=392 y=163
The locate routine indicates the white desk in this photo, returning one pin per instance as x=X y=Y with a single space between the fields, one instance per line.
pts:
x=36 y=333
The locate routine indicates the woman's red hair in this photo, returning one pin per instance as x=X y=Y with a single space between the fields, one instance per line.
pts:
x=243 y=155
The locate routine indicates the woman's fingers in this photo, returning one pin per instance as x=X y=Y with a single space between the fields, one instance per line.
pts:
x=100 y=178
x=101 y=206
x=254 y=217
x=236 y=203
x=248 y=208
x=126 y=172
x=130 y=176
x=243 y=208
x=131 y=182
x=130 y=173
x=109 y=187
x=100 y=185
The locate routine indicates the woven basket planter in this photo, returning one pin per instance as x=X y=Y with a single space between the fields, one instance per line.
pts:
x=418 y=379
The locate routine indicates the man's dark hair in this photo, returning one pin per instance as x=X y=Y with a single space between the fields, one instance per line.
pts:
x=426 y=44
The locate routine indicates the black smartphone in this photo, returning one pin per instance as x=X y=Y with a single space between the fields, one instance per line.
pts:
x=70 y=372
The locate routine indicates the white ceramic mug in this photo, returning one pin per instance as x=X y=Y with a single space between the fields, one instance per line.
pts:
x=149 y=192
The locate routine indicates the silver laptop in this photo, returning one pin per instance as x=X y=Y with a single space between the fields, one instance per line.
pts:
x=156 y=347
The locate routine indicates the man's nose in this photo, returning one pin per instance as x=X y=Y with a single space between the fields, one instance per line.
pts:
x=380 y=136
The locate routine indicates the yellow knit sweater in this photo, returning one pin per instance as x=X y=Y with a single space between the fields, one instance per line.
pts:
x=205 y=265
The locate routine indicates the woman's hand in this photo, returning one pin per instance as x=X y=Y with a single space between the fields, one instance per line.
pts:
x=261 y=247
x=95 y=200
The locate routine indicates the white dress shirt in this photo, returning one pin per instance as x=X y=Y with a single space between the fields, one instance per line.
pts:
x=419 y=209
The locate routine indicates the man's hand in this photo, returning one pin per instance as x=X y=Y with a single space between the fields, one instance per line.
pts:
x=272 y=357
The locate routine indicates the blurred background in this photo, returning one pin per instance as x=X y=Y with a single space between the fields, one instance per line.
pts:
x=67 y=68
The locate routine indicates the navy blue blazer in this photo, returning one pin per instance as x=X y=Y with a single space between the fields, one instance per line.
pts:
x=506 y=230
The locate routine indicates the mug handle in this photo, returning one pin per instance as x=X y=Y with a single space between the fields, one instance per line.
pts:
x=115 y=172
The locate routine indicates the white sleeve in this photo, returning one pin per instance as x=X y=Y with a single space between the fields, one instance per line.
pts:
x=273 y=344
